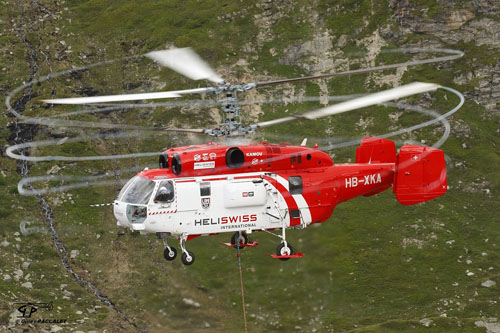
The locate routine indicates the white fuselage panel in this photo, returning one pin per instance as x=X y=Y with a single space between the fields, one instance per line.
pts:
x=224 y=205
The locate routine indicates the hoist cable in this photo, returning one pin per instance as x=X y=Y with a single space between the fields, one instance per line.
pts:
x=238 y=256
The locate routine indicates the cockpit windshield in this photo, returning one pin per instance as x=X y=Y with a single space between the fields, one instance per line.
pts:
x=125 y=187
x=137 y=191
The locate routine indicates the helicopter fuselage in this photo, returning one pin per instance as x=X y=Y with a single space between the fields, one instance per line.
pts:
x=251 y=201
x=304 y=187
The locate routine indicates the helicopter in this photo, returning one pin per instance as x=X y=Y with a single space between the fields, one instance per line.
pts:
x=214 y=188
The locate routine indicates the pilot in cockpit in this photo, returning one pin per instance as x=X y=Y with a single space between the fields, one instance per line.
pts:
x=164 y=195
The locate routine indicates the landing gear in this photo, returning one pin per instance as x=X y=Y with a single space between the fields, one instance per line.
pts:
x=170 y=253
x=239 y=237
x=187 y=257
x=284 y=249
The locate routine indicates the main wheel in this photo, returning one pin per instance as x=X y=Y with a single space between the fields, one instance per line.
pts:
x=187 y=261
x=170 y=255
x=283 y=250
x=243 y=239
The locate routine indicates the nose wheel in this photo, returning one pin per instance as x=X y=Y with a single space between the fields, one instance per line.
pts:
x=170 y=253
x=187 y=257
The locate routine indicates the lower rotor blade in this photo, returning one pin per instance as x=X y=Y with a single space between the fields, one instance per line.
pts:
x=372 y=99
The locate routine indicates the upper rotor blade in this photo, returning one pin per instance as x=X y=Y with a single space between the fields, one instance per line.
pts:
x=357 y=103
x=186 y=62
x=126 y=97
x=326 y=76
x=452 y=54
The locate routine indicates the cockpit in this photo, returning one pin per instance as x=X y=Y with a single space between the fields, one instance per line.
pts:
x=137 y=190
x=136 y=196
x=165 y=192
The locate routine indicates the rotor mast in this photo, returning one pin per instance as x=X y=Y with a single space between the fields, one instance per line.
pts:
x=231 y=118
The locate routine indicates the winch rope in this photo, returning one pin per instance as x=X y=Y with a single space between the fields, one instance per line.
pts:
x=238 y=255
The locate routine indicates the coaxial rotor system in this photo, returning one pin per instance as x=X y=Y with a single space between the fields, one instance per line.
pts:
x=186 y=62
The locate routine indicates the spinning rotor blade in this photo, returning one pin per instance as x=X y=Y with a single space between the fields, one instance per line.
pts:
x=326 y=76
x=126 y=97
x=186 y=62
x=184 y=130
x=452 y=54
x=357 y=103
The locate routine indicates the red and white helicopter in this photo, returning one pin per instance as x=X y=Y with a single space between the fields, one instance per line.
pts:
x=215 y=188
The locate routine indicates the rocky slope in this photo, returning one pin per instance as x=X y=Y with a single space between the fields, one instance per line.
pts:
x=374 y=266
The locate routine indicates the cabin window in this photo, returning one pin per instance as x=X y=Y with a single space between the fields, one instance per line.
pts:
x=295 y=184
x=165 y=192
x=204 y=189
x=299 y=158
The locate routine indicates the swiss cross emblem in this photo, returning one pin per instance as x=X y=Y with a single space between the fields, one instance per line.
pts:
x=205 y=203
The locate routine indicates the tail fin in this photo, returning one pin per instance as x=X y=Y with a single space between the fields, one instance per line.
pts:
x=376 y=150
x=420 y=174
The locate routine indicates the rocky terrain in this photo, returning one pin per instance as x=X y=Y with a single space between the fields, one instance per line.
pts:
x=374 y=266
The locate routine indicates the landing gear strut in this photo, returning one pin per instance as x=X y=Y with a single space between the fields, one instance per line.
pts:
x=187 y=257
x=284 y=251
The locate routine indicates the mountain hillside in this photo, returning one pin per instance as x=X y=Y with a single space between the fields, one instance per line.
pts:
x=374 y=266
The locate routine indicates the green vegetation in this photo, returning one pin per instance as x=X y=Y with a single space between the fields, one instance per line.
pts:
x=374 y=266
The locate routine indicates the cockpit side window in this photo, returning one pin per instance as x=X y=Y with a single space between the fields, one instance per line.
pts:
x=204 y=189
x=165 y=192
x=139 y=192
